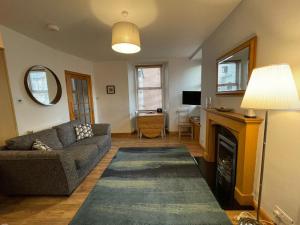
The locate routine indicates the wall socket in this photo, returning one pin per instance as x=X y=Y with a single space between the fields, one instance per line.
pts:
x=281 y=217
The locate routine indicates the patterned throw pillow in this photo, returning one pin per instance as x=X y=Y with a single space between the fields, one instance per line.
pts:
x=84 y=131
x=39 y=145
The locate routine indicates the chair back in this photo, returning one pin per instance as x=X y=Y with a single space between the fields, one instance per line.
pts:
x=182 y=117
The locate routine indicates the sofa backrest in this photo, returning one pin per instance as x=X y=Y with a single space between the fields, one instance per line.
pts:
x=24 y=142
x=66 y=132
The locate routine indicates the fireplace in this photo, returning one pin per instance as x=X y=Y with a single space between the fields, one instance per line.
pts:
x=221 y=173
x=242 y=134
x=226 y=158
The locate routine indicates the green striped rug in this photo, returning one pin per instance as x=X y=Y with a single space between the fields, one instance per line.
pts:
x=153 y=186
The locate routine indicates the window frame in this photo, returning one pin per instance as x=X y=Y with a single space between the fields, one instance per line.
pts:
x=237 y=82
x=162 y=85
x=43 y=91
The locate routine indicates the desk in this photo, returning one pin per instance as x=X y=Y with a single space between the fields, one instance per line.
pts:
x=151 y=125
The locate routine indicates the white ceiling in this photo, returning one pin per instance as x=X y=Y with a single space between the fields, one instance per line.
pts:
x=168 y=28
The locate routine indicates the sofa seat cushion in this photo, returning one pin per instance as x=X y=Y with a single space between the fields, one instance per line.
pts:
x=66 y=132
x=100 y=141
x=25 y=142
x=83 y=155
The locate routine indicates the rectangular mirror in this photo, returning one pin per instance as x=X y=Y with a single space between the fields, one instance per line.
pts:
x=235 y=67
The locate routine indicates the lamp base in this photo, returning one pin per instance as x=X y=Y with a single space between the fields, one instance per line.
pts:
x=248 y=221
x=250 y=114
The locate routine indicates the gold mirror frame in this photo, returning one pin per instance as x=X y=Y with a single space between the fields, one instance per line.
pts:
x=251 y=43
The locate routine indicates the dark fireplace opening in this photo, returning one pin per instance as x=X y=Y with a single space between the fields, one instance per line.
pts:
x=221 y=174
x=226 y=157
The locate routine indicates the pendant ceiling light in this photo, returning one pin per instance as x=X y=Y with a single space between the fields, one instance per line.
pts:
x=125 y=37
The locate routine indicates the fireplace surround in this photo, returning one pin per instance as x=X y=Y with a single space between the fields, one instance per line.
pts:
x=245 y=131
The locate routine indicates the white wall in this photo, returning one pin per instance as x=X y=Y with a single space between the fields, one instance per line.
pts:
x=113 y=108
x=132 y=95
x=21 y=53
x=276 y=24
x=182 y=74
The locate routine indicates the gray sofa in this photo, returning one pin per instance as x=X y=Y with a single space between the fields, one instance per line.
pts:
x=30 y=172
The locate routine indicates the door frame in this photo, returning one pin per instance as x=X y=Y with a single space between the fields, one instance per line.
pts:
x=69 y=75
x=7 y=101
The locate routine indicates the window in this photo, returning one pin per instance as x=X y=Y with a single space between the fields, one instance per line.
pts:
x=229 y=76
x=149 y=87
x=39 y=86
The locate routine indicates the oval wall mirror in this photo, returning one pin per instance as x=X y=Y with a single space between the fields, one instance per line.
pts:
x=42 y=85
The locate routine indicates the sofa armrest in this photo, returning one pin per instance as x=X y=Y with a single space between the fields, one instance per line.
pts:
x=102 y=129
x=69 y=166
x=37 y=173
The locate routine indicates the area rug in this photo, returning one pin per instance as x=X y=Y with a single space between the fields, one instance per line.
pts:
x=153 y=186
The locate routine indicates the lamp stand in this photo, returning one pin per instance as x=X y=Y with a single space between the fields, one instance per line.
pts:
x=250 y=221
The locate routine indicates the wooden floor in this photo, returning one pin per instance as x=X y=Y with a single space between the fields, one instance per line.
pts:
x=60 y=210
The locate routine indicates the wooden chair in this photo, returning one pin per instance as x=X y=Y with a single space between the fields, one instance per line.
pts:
x=185 y=127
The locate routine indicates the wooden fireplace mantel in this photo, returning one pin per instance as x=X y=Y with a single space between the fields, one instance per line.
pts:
x=246 y=132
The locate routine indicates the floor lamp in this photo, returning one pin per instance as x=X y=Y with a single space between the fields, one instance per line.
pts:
x=269 y=88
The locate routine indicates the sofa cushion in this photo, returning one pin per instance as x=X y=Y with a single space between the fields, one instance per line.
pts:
x=39 y=145
x=25 y=142
x=100 y=141
x=66 y=132
x=83 y=155
x=83 y=131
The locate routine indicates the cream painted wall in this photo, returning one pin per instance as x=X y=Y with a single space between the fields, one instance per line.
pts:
x=276 y=24
x=132 y=95
x=23 y=52
x=182 y=74
x=113 y=108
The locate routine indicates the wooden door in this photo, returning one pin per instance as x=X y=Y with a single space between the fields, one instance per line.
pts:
x=80 y=99
x=8 y=128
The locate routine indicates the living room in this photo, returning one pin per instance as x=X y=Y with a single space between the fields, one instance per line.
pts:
x=185 y=43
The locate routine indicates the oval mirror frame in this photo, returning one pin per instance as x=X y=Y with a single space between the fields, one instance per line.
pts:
x=58 y=85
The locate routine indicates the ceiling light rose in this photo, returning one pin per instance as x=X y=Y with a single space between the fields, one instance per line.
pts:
x=125 y=38
x=53 y=27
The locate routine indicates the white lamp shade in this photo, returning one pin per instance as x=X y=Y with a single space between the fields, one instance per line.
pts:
x=271 y=87
x=125 y=38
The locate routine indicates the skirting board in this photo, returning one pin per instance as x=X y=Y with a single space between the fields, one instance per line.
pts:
x=202 y=146
x=243 y=199
x=263 y=214
x=123 y=134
